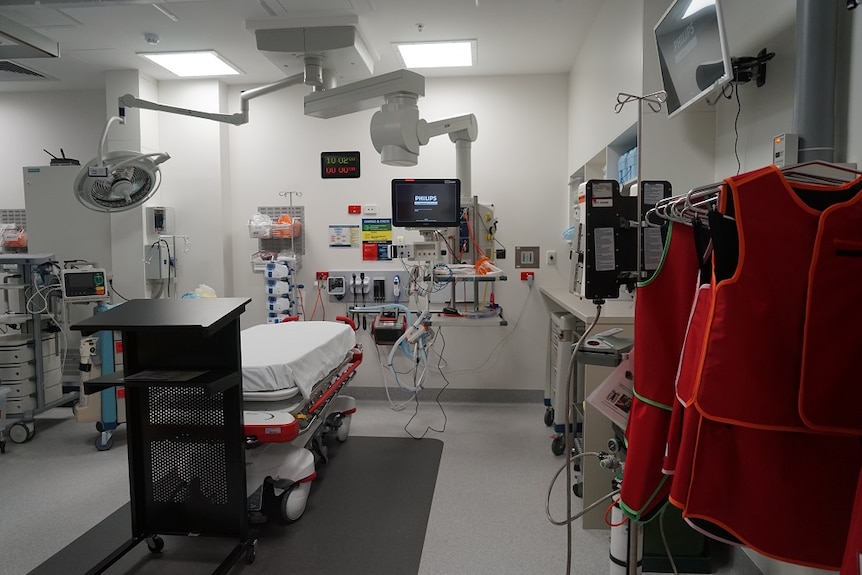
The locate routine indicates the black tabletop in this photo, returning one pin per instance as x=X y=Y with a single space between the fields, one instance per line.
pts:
x=208 y=314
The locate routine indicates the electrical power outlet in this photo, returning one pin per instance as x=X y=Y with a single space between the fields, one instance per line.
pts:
x=551 y=257
x=425 y=251
x=400 y=252
x=321 y=276
x=527 y=276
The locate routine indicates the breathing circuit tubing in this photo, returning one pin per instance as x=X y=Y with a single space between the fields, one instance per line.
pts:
x=586 y=509
x=414 y=350
x=571 y=376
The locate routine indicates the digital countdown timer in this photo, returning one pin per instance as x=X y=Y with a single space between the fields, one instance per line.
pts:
x=339 y=165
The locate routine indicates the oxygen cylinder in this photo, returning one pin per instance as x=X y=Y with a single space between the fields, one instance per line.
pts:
x=619 y=554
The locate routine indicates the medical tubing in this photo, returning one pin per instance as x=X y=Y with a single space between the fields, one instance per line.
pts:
x=399 y=344
x=317 y=300
x=470 y=233
x=608 y=515
x=664 y=540
x=571 y=378
x=554 y=480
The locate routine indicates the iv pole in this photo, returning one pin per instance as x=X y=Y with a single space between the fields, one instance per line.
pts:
x=654 y=101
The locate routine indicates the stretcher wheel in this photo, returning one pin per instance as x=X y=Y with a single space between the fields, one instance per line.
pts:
x=104 y=445
x=319 y=450
x=343 y=431
x=291 y=503
x=99 y=427
x=558 y=445
x=578 y=490
x=19 y=432
x=2 y=447
x=155 y=544
x=549 y=416
x=251 y=552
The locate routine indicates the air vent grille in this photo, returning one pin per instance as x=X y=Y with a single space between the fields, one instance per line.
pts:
x=12 y=72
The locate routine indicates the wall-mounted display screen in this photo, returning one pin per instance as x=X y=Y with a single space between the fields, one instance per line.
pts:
x=692 y=52
x=339 y=165
x=426 y=203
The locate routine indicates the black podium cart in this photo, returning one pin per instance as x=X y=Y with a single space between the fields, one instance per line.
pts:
x=186 y=449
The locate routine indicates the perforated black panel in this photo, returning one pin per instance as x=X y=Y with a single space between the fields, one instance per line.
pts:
x=189 y=471
x=190 y=406
x=187 y=446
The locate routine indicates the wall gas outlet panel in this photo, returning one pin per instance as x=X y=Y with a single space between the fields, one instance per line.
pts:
x=160 y=221
x=336 y=285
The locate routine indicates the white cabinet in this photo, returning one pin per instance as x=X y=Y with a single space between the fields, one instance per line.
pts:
x=605 y=165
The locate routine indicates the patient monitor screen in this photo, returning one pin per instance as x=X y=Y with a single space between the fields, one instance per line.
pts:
x=426 y=203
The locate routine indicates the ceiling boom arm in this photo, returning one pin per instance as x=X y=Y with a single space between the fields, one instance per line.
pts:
x=129 y=101
x=458 y=128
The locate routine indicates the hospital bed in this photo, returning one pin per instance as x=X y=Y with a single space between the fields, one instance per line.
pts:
x=293 y=373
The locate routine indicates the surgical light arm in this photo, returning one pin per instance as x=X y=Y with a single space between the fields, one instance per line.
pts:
x=129 y=101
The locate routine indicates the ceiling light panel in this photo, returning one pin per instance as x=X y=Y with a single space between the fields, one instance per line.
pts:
x=448 y=54
x=194 y=64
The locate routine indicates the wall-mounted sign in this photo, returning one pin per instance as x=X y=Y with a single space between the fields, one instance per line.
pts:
x=339 y=165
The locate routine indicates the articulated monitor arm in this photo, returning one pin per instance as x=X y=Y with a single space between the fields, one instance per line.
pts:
x=397 y=131
x=129 y=101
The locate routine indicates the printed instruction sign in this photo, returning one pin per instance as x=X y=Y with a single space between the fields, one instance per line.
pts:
x=376 y=239
x=613 y=397
x=347 y=236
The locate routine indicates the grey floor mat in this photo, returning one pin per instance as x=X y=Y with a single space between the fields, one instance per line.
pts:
x=367 y=514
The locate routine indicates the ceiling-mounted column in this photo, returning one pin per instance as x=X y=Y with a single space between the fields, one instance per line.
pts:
x=814 y=104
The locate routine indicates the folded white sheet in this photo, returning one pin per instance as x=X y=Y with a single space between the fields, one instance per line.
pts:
x=296 y=353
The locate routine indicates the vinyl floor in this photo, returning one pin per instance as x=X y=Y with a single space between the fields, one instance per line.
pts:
x=487 y=515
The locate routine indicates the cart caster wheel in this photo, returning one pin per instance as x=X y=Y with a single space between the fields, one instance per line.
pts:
x=578 y=490
x=104 y=445
x=558 y=445
x=2 y=447
x=251 y=552
x=155 y=544
x=343 y=431
x=31 y=430
x=319 y=450
x=19 y=433
x=549 y=417
x=99 y=427
x=291 y=504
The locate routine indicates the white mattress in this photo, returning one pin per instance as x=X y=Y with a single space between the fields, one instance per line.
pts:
x=297 y=353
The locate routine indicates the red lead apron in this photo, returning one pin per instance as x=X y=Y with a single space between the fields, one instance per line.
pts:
x=756 y=471
x=786 y=495
x=830 y=393
x=750 y=374
x=853 y=551
x=662 y=309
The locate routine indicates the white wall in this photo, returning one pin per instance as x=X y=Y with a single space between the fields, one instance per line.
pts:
x=35 y=120
x=766 y=111
x=518 y=164
x=192 y=181
x=609 y=63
